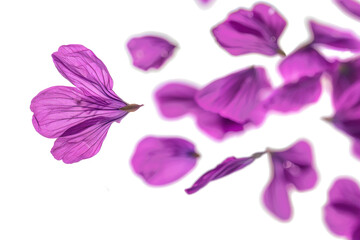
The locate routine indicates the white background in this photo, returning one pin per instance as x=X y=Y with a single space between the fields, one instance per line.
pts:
x=101 y=198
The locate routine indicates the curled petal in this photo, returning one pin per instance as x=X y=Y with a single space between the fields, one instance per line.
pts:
x=350 y=6
x=228 y=166
x=294 y=96
x=334 y=38
x=150 y=51
x=303 y=62
x=237 y=96
x=161 y=161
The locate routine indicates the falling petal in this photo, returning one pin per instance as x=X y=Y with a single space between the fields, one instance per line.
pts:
x=350 y=6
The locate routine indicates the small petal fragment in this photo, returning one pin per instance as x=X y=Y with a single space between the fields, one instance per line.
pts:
x=350 y=6
x=160 y=161
x=251 y=31
x=334 y=38
x=342 y=211
x=294 y=96
x=150 y=51
x=237 y=96
x=304 y=62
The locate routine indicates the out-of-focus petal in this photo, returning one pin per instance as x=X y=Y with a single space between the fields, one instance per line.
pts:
x=150 y=51
x=350 y=6
x=304 y=62
x=237 y=96
x=251 y=31
x=294 y=96
x=81 y=141
x=83 y=69
x=160 y=161
x=342 y=211
x=59 y=108
x=334 y=38
x=228 y=166
x=356 y=148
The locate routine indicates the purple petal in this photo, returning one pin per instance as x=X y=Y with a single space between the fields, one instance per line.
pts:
x=342 y=212
x=81 y=142
x=59 y=108
x=246 y=31
x=304 y=62
x=161 y=161
x=205 y=2
x=83 y=69
x=150 y=51
x=294 y=96
x=228 y=166
x=237 y=96
x=356 y=148
x=350 y=6
x=334 y=38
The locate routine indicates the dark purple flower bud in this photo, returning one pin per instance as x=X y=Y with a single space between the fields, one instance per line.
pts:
x=334 y=38
x=350 y=6
x=251 y=31
x=160 y=160
x=291 y=167
x=238 y=96
x=342 y=211
x=79 y=117
x=150 y=51
x=304 y=62
x=294 y=96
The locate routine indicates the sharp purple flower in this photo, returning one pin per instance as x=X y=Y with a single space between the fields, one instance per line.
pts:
x=251 y=31
x=304 y=62
x=160 y=160
x=350 y=6
x=238 y=96
x=79 y=117
x=334 y=38
x=150 y=51
x=293 y=166
x=294 y=96
x=342 y=211
x=177 y=99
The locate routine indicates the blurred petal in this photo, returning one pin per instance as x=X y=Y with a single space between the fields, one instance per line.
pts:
x=237 y=96
x=82 y=141
x=228 y=166
x=150 y=51
x=160 y=161
x=356 y=148
x=251 y=31
x=83 y=69
x=304 y=62
x=58 y=108
x=334 y=38
x=294 y=96
x=350 y=6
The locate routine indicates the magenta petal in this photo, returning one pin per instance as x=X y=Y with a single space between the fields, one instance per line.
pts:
x=237 y=96
x=334 y=38
x=150 y=51
x=356 y=148
x=83 y=69
x=303 y=62
x=81 y=142
x=246 y=31
x=161 y=161
x=350 y=6
x=228 y=166
x=342 y=211
x=294 y=96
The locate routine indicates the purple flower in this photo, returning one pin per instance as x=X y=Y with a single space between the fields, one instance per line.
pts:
x=294 y=96
x=177 y=99
x=79 y=117
x=160 y=160
x=342 y=211
x=238 y=96
x=251 y=31
x=334 y=38
x=150 y=51
x=350 y=6
x=291 y=167
x=304 y=62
